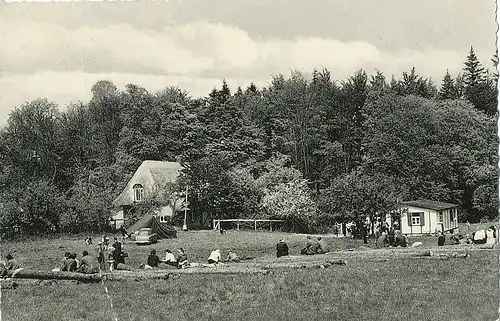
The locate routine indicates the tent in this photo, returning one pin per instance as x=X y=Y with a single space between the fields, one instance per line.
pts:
x=163 y=230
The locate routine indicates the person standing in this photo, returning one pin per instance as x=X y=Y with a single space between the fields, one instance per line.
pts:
x=441 y=239
x=117 y=253
x=281 y=248
x=100 y=256
x=124 y=233
x=365 y=233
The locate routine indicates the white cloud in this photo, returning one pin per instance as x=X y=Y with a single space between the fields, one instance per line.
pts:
x=43 y=59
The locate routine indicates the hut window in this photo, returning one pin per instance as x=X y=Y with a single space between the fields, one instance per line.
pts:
x=440 y=217
x=138 y=192
x=415 y=218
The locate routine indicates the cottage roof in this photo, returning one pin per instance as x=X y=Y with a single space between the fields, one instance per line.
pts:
x=160 y=172
x=432 y=205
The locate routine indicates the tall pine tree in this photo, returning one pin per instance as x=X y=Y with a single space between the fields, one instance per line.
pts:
x=448 y=90
x=473 y=71
x=480 y=89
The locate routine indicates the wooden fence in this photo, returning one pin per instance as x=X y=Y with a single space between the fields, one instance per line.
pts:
x=216 y=223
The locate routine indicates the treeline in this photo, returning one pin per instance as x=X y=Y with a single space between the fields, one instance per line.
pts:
x=310 y=150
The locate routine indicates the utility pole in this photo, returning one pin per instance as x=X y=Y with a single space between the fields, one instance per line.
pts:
x=184 y=226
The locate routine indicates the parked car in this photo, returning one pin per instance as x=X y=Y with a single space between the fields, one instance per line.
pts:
x=144 y=236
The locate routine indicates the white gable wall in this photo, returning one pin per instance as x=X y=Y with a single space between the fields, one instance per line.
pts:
x=146 y=180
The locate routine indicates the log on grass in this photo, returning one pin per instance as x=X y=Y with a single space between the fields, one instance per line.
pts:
x=299 y=265
x=337 y=262
x=85 y=278
x=424 y=253
x=51 y=275
x=220 y=270
x=135 y=276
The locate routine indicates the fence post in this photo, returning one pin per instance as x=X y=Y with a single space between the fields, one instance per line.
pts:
x=270 y=226
x=238 y=224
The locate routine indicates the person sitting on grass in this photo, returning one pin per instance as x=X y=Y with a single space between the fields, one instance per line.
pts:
x=72 y=263
x=311 y=247
x=63 y=264
x=382 y=240
x=9 y=265
x=400 y=240
x=467 y=239
x=323 y=247
x=169 y=258
x=455 y=239
x=87 y=264
x=232 y=257
x=182 y=259
x=391 y=237
x=153 y=260
x=214 y=257
x=407 y=240
x=281 y=248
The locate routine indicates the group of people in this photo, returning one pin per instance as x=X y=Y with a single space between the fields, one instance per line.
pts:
x=312 y=247
x=154 y=260
x=93 y=263
x=315 y=247
x=116 y=255
x=478 y=237
x=181 y=261
x=393 y=238
x=70 y=263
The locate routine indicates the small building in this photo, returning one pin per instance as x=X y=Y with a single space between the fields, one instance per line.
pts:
x=425 y=216
x=153 y=180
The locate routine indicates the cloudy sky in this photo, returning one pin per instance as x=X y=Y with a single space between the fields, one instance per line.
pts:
x=59 y=50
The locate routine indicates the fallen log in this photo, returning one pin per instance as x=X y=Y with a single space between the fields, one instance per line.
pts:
x=292 y=265
x=51 y=275
x=86 y=278
x=424 y=253
x=337 y=262
x=219 y=270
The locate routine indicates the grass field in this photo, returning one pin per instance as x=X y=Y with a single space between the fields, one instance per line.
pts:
x=399 y=289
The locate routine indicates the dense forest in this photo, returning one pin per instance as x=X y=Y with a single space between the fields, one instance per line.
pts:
x=308 y=149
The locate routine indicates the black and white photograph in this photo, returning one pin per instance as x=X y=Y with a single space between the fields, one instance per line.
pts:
x=249 y=160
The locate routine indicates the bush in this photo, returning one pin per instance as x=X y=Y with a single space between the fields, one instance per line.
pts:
x=33 y=209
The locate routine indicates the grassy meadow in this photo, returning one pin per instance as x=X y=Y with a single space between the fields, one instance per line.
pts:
x=397 y=289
